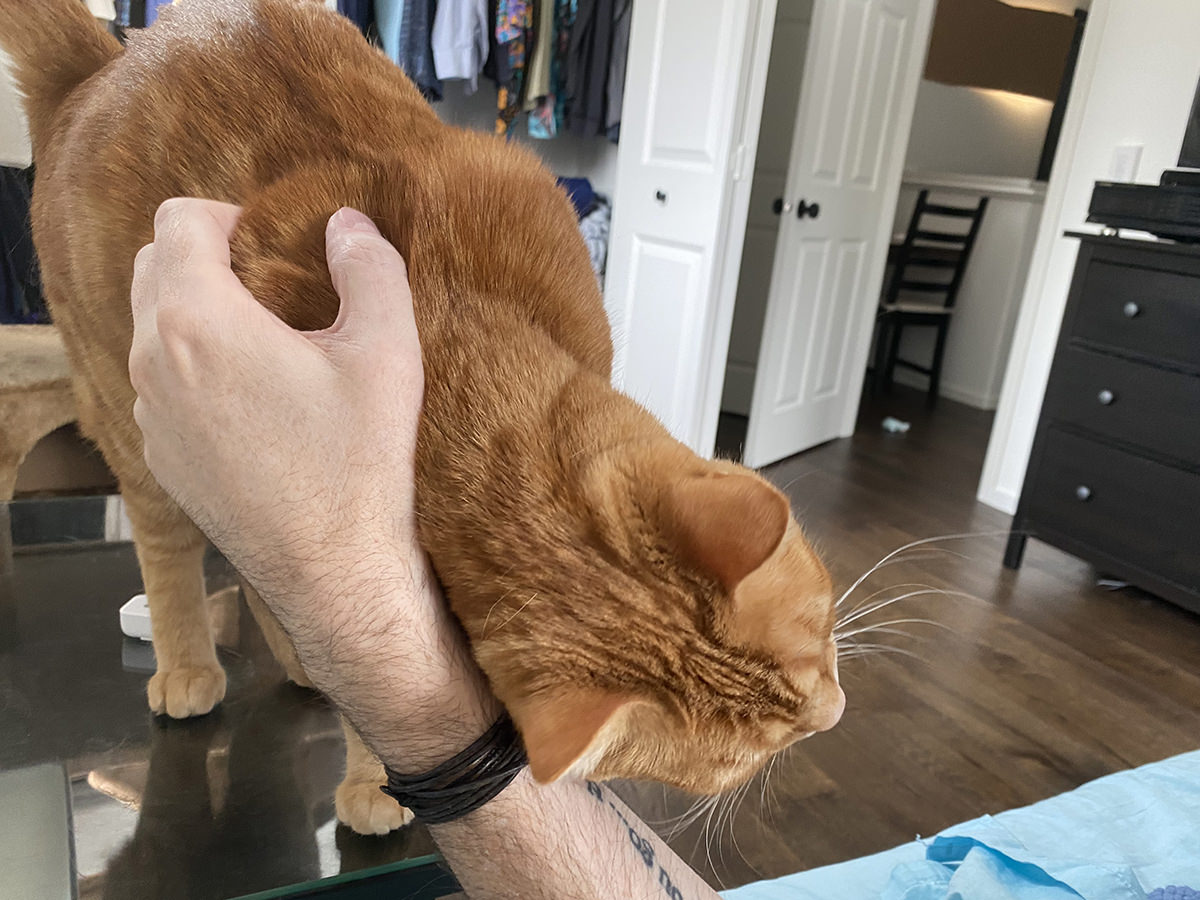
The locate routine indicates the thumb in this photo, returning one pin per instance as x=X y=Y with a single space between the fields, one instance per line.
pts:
x=370 y=278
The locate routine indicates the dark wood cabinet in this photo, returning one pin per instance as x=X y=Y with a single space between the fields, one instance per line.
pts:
x=1114 y=476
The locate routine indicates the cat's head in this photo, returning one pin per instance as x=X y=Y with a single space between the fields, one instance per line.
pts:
x=703 y=645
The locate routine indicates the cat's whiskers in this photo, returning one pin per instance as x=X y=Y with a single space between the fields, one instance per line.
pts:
x=735 y=807
x=846 y=615
x=926 y=591
x=520 y=610
x=492 y=609
x=886 y=628
x=920 y=543
x=688 y=817
x=859 y=650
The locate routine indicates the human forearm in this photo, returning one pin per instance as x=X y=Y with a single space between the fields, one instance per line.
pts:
x=569 y=840
x=398 y=667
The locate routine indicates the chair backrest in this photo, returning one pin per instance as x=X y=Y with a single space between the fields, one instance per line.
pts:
x=940 y=255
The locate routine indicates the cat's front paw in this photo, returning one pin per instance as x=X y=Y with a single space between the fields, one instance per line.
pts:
x=368 y=810
x=190 y=691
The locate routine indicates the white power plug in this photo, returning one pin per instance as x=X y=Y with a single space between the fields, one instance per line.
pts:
x=135 y=618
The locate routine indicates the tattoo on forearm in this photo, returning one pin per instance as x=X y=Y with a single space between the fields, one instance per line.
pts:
x=644 y=847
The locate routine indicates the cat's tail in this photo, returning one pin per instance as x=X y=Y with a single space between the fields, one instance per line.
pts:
x=54 y=46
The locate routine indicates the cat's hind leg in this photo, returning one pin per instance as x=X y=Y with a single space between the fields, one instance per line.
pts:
x=277 y=640
x=359 y=801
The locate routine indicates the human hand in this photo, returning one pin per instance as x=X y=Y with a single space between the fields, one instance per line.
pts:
x=293 y=451
x=285 y=446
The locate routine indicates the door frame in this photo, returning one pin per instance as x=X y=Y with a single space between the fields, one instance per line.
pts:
x=753 y=79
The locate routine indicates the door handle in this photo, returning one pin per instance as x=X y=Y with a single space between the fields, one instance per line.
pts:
x=803 y=208
x=780 y=207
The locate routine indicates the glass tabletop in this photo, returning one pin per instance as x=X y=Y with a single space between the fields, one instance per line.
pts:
x=101 y=799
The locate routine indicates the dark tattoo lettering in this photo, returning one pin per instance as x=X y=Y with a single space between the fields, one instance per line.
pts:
x=643 y=846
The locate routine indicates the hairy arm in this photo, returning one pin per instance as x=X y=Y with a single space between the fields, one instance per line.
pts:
x=321 y=519
x=570 y=840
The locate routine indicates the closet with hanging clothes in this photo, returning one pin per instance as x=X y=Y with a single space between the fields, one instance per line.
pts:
x=666 y=219
x=549 y=73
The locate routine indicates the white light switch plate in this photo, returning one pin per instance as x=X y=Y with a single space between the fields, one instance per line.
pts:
x=1125 y=161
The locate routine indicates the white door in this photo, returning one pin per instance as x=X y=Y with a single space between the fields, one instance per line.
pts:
x=694 y=87
x=864 y=63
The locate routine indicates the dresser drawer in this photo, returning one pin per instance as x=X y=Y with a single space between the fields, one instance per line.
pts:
x=1141 y=309
x=1122 y=505
x=1132 y=402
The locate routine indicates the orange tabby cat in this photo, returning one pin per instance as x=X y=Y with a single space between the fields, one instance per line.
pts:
x=641 y=612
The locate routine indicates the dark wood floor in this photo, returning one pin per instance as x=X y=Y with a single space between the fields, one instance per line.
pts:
x=1037 y=681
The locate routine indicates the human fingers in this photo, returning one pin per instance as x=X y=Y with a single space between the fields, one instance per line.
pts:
x=371 y=281
x=193 y=228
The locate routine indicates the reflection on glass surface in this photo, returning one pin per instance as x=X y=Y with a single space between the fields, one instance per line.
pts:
x=220 y=806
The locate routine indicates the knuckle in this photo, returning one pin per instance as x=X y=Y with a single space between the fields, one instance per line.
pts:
x=171 y=213
x=144 y=258
x=365 y=250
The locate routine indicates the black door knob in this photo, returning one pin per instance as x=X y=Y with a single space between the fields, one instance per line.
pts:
x=804 y=208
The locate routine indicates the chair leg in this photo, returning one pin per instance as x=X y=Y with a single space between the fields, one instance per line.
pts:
x=897 y=328
x=939 y=352
x=883 y=327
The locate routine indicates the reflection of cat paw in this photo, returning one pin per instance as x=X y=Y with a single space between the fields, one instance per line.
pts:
x=367 y=809
x=191 y=691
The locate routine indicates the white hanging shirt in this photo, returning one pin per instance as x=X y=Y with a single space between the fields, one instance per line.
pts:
x=460 y=40
x=102 y=9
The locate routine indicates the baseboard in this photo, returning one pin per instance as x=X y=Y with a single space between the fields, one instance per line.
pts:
x=947 y=389
x=998 y=498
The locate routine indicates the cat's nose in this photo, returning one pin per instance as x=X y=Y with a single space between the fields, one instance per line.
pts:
x=830 y=713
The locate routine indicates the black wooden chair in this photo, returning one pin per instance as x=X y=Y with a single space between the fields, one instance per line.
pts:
x=927 y=272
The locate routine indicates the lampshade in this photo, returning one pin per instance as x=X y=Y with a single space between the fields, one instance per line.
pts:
x=989 y=44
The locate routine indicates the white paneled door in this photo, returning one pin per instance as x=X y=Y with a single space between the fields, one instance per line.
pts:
x=694 y=87
x=856 y=102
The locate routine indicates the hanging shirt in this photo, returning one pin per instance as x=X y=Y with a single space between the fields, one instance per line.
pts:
x=546 y=120
x=587 y=69
x=406 y=33
x=358 y=12
x=152 y=10
x=460 y=40
x=537 y=81
x=389 y=16
x=102 y=9
x=618 y=58
x=514 y=24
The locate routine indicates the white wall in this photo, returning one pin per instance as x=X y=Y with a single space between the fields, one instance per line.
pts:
x=971 y=131
x=1137 y=75
x=14 y=133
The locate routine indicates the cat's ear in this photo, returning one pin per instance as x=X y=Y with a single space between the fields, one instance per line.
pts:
x=726 y=524
x=563 y=727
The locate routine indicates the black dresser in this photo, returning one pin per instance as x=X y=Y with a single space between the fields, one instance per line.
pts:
x=1114 y=477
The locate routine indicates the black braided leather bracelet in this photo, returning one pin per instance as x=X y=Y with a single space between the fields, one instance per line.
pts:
x=464 y=782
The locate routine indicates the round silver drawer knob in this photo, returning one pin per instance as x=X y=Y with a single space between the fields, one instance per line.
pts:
x=1106 y=397
x=1131 y=310
x=1083 y=492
